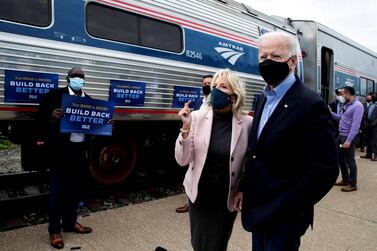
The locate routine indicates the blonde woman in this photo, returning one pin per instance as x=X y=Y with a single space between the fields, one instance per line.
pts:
x=214 y=142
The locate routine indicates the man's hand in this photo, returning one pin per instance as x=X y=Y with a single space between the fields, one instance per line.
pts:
x=237 y=202
x=57 y=113
x=346 y=144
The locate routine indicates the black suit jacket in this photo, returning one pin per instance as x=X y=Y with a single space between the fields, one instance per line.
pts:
x=294 y=162
x=56 y=143
x=333 y=107
x=372 y=122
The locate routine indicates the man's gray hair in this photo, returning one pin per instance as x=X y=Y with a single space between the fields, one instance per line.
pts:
x=292 y=40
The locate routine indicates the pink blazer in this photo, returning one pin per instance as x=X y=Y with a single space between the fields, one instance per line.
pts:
x=193 y=151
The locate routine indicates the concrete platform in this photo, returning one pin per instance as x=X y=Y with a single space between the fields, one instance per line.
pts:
x=343 y=221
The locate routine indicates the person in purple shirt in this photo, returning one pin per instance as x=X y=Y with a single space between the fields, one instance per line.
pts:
x=349 y=124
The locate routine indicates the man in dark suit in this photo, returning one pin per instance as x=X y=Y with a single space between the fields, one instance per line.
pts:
x=371 y=128
x=292 y=157
x=67 y=156
x=199 y=105
x=336 y=107
x=370 y=119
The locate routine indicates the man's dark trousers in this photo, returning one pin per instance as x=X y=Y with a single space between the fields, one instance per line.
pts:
x=283 y=236
x=65 y=182
x=347 y=162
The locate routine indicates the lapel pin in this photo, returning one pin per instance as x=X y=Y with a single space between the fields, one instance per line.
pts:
x=285 y=106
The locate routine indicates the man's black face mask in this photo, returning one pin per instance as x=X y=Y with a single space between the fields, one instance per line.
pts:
x=206 y=89
x=274 y=72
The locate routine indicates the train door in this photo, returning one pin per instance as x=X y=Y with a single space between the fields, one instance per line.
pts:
x=327 y=71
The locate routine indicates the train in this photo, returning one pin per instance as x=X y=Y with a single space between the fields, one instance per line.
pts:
x=161 y=48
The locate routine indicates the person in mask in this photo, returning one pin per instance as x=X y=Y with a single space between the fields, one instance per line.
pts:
x=349 y=125
x=67 y=156
x=213 y=142
x=199 y=105
x=336 y=107
x=206 y=89
x=367 y=138
x=291 y=161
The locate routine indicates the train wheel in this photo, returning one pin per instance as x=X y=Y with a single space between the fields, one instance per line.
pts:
x=112 y=162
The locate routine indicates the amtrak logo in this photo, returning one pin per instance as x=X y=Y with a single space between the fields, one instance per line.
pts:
x=230 y=52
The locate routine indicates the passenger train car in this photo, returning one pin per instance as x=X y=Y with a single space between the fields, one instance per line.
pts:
x=332 y=60
x=160 y=47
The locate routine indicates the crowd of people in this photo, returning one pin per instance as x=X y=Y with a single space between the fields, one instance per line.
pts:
x=235 y=162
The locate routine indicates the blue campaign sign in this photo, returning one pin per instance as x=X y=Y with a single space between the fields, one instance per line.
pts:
x=28 y=87
x=86 y=115
x=184 y=94
x=127 y=93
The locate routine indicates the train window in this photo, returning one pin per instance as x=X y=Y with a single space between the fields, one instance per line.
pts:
x=132 y=28
x=363 y=86
x=370 y=85
x=32 y=12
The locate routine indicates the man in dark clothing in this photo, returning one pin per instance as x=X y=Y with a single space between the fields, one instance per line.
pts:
x=283 y=182
x=336 y=107
x=363 y=135
x=371 y=128
x=67 y=159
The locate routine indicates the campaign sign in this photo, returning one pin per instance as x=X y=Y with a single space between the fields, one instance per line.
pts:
x=127 y=93
x=184 y=94
x=28 y=87
x=86 y=115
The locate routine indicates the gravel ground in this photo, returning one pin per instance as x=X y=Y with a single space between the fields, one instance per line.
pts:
x=10 y=160
x=30 y=215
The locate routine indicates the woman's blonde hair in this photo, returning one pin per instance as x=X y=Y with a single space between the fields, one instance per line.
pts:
x=238 y=88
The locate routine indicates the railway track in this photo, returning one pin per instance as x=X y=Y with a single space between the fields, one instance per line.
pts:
x=24 y=196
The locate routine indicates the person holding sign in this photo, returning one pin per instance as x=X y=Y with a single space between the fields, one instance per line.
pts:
x=67 y=156
x=213 y=142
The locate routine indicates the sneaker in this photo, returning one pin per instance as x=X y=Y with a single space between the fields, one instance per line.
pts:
x=349 y=188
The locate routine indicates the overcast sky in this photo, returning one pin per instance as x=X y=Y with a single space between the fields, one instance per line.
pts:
x=355 y=19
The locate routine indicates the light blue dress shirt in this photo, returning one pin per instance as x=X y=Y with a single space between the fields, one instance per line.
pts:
x=273 y=98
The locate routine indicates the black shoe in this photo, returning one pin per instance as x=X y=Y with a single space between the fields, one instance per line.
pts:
x=365 y=157
x=183 y=209
x=349 y=188
x=342 y=183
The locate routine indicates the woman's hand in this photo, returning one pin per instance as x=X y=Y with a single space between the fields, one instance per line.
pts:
x=185 y=115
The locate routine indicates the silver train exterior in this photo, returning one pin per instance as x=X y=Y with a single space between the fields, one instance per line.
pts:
x=142 y=134
x=208 y=35
x=332 y=61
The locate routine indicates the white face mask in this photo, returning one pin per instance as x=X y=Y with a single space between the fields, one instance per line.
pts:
x=341 y=99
